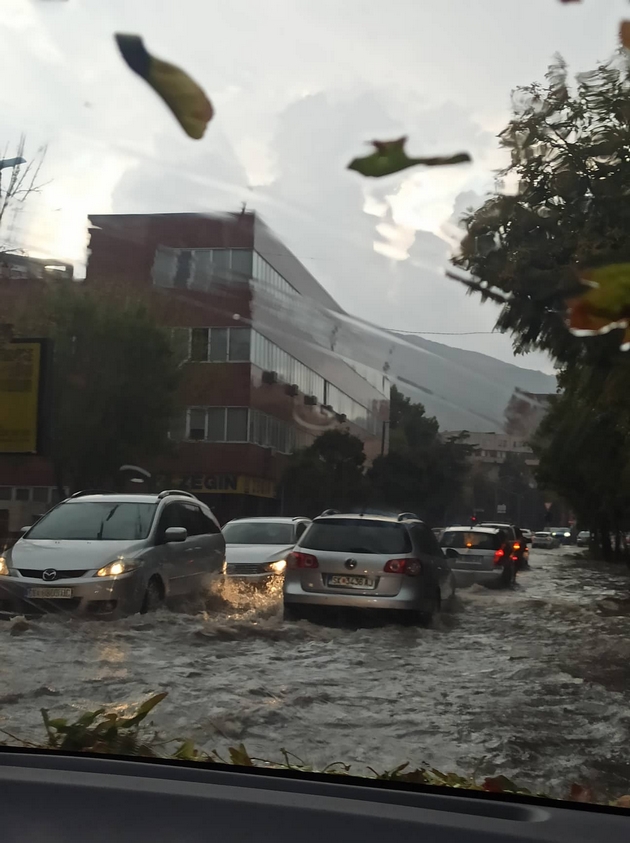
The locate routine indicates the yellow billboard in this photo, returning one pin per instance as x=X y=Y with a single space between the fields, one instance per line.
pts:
x=20 y=383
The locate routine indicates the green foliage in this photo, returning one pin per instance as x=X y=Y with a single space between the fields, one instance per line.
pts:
x=422 y=472
x=390 y=157
x=329 y=473
x=111 y=733
x=114 y=383
x=570 y=162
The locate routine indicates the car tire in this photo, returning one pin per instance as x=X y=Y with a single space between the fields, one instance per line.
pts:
x=425 y=618
x=508 y=577
x=292 y=612
x=153 y=596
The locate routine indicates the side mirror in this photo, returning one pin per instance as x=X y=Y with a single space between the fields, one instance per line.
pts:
x=175 y=534
x=451 y=553
x=24 y=530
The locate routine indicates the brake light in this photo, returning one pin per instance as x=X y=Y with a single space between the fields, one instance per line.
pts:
x=517 y=547
x=410 y=567
x=498 y=556
x=301 y=560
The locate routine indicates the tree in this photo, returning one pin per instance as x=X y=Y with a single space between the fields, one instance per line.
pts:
x=114 y=383
x=570 y=162
x=329 y=473
x=21 y=181
x=422 y=472
x=527 y=250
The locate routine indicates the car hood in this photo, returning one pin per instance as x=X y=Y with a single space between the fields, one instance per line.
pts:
x=40 y=554
x=243 y=553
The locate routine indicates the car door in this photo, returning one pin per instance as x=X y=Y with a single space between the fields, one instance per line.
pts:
x=177 y=560
x=429 y=551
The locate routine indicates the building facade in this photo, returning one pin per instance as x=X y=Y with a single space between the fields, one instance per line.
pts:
x=255 y=333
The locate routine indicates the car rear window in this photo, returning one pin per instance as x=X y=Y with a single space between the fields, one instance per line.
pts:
x=351 y=535
x=479 y=541
x=542 y=535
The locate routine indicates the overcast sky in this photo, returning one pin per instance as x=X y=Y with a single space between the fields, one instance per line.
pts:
x=298 y=87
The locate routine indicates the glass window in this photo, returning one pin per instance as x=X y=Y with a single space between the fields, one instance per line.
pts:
x=192 y=519
x=5 y=493
x=242 y=262
x=22 y=494
x=220 y=260
x=89 y=521
x=197 y=424
x=219 y=345
x=351 y=535
x=258 y=532
x=209 y=527
x=199 y=344
x=41 y=494
x=173 y=515
x=216 y=424
x=481 y=541
x=236 y=424
x=239 y=343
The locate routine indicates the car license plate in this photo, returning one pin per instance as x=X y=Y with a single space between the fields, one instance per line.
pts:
x=49 y=593
x=344 y=581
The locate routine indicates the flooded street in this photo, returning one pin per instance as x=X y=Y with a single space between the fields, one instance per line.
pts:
x=533 y=683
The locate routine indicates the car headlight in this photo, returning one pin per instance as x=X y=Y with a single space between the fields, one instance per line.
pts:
x=567 y=535
x=278 y=566
x=4 y=568
x=115 y=569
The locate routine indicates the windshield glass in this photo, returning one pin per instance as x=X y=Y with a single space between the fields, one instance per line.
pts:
x=357 y=536
x=333 y=263
x=264 y=532
x=478 y=541
x=87 y=521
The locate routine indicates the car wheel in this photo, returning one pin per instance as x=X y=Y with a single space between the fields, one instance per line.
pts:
x=508 y=577
x=425 y=618
x=292 y=612
x=153 y=596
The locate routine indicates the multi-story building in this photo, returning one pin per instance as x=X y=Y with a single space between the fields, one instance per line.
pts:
x=492 y=449
x=264 y=369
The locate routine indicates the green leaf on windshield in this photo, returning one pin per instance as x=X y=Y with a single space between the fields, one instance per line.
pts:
x=186 y=99
x=390 y=157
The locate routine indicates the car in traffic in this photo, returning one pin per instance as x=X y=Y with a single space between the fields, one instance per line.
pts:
x=545 y=539
x=583 y=538
x=564 y=535
x=482 y=555
x=256 y=549
x=519 y=545
x=368 y=562
x=113 y=554
x=526 y=534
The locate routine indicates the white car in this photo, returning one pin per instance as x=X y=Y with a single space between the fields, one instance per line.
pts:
x=545 y=539
x=256 y=549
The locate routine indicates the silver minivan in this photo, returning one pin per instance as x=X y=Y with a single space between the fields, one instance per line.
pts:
x=113 y=554
x=480 y=555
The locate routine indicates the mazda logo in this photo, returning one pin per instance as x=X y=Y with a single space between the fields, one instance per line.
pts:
x=351 y=563
x=49 y=575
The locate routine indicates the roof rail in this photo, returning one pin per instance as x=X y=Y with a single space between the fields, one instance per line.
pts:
x=83 y=492
x=168 y=492
x=329 y=512
x=407 y=516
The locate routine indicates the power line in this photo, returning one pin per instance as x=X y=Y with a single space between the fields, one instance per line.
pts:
x=443 y=333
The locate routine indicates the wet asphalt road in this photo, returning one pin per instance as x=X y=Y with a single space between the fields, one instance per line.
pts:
x=533 y=683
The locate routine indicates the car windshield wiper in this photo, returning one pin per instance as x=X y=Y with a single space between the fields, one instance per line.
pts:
x=99 y=535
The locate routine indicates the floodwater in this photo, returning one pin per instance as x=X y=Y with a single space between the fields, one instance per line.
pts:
x=533 y=683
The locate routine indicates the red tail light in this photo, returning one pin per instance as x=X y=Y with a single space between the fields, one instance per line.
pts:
x=498 y=556
x=301 y=560
x=410 y=567
x=517 y=546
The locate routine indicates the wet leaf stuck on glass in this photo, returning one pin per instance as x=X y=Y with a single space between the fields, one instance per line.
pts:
x=390 y=157
x=605 y=304
x=624 y=33
x=182 y=95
